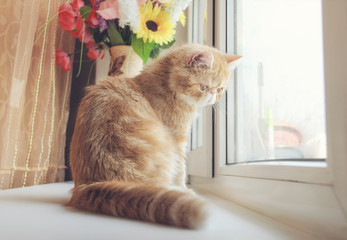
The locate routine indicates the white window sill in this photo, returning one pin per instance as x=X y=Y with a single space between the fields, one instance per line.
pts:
x=298 y=163
x=312 y=208
x=39 y=213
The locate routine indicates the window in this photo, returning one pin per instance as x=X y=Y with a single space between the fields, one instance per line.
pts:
x=199 y=35
x=201 y=139
x=274 y=111
x=286 y=102
x=276 y=108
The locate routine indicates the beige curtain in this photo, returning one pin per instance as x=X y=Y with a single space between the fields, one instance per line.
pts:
x=34 y=93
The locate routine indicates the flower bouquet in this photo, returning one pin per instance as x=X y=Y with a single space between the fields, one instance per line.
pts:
x=146 y=26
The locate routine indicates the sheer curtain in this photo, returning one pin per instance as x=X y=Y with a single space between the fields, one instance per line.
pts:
x=34 y=93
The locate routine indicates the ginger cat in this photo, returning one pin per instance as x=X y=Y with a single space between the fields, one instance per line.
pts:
x=128 y=149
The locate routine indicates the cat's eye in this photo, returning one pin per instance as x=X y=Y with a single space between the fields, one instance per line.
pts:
x=203 y=87
x=220 y=90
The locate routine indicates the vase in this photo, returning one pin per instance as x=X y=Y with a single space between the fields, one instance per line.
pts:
x=124 y=61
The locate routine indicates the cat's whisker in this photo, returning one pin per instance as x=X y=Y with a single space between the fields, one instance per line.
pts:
x=215 y=107
x=218 y=109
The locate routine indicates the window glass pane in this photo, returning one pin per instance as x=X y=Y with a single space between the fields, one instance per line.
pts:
x=200 y=35
x=278 y=99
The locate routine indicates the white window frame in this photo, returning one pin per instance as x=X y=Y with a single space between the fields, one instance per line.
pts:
x=200 y=160
x=308 y=197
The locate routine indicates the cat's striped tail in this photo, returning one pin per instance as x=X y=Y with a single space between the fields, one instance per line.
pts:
x=142 y=202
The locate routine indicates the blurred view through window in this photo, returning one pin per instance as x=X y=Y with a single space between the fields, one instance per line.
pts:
x=277 y=109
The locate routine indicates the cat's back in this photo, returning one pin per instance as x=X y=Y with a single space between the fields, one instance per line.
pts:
x=115 y=133
x=114 y=89
x=113 y=98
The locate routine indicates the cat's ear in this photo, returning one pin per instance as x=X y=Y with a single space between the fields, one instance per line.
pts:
x=233 y=61
x=201 y=60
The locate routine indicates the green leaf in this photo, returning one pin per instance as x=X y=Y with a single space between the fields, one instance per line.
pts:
x=114 y=35
x=142 y=49
x=85 y=11
x=155 y=51
x=168 y=45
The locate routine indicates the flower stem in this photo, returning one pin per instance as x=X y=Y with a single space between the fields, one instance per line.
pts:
x=81 y=54
x=45 y=25
x=90 y=71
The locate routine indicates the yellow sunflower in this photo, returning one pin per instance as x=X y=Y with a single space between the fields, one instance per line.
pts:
x=182 y=19
x=155 y=25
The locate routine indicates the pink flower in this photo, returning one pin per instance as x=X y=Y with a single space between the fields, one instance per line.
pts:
x=67 y=17
x=95 y=51
x=77 y=4
x=109 y=9
x=63 y=59
x=92 y=19
x=78 y=31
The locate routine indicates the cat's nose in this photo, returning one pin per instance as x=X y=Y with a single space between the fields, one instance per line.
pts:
x=213 y=92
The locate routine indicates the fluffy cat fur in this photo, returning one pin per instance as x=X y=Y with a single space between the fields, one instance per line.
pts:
x=128 y=148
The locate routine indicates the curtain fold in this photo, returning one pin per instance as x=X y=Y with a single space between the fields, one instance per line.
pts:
x=34 y=93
